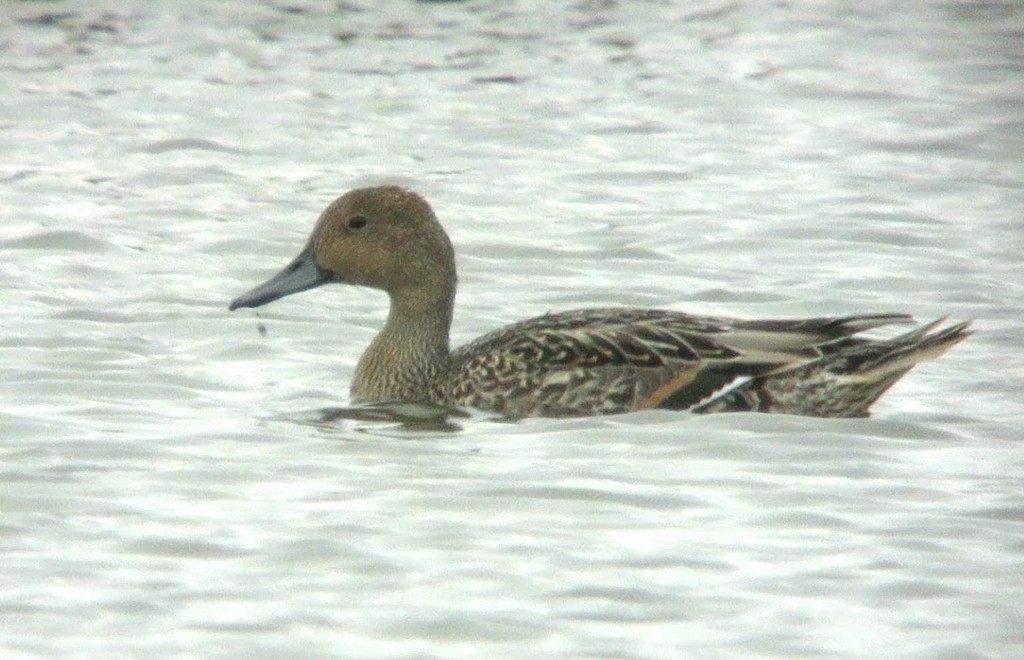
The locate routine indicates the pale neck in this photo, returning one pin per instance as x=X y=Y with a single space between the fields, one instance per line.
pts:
x=411 y=350
x=419 y=321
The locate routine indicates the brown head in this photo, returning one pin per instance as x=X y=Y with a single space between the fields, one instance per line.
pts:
x=385 y=237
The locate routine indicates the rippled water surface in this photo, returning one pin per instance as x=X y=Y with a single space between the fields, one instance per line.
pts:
x=171 y=487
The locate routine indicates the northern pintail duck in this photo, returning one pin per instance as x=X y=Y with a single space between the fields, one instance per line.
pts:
x=583 y=362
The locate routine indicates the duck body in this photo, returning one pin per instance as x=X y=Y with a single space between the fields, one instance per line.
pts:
x=582 y=362
x=607 y=361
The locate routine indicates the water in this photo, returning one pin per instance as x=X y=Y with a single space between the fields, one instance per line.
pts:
x=170 y=489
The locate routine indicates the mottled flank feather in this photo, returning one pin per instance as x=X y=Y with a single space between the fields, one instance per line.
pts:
x=604 y=361
x=584 y=362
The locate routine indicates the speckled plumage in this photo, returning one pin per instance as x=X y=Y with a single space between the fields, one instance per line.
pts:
x=583 y=362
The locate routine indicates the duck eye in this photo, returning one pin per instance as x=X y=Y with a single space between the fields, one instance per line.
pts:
x=357 y=222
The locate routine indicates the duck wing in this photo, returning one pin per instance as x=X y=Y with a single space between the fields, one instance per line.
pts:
x=603 y=361
x=845 y=381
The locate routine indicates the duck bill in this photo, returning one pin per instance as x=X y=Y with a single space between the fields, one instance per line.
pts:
x=301 y=274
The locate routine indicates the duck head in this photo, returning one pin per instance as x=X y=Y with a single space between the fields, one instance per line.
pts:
x=384 y=237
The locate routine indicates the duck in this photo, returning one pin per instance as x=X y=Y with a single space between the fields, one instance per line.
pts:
x=583 y=362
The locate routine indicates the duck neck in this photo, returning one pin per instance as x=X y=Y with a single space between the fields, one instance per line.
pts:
x=409 y=354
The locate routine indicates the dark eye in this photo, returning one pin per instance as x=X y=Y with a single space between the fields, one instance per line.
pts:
x=357 y=222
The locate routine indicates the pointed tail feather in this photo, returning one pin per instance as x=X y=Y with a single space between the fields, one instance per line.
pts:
x=844 y=383
x=873 y=360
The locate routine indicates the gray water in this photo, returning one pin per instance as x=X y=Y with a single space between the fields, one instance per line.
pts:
x=169 y=487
